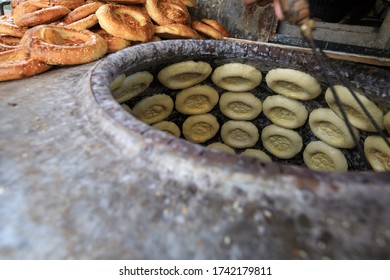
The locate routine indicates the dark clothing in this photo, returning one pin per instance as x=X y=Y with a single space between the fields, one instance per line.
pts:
x=346 y=11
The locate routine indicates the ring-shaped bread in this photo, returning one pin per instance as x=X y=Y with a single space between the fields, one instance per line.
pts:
x=284 y=111
x=125 y=22
x=200 y=128
x=377 y=153
x=281 y=142
x=14 y=3
x=386 y=122
x=216 y=25
x=177 y=31
x=257 y=154
x=292 y=83
x=16 y=64
x=155 y=38
x=237 y=77
x=127 y=2
x=184 y=74
x=153 y=109
x=8 y=27
x=84 y=23
x=82 y=11
x=70 y=4
x=331 y=129
x=8 y=43
x=241 y=106
x=28 y=15
x=221 y=147
x=320 y=156
x=199 y=99
x=189 y=3
x=239 y=134
x=165 y=12
x=354 y=112
x=206 y=30
x=132 y=86
x=168 y=127
x=64 y=46
x=114 y=43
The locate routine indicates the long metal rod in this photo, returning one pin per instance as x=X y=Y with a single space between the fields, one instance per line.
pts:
x=2 y=4
x=317 y=56
x=346 y=83
x=366 y=59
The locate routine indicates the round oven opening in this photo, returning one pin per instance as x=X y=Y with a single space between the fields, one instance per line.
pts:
x=225 y=97
x=279 y=207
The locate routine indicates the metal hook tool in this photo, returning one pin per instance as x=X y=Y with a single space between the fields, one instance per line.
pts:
x=297 y=12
